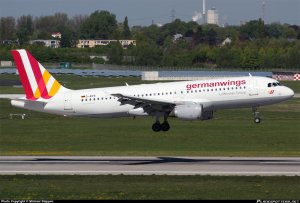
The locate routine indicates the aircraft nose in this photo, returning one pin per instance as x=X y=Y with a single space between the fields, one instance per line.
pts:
x=289 y=92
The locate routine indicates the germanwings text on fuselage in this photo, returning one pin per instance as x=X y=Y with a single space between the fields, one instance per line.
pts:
x=216 y=84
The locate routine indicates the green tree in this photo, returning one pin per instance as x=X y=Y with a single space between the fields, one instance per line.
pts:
x=24 y=28
x=250 y=59
x=126 y=31
x=147 y=54
x=115 y=53
x=255 y=29
x=100 y=24
x=7 y=28
x=67 y=38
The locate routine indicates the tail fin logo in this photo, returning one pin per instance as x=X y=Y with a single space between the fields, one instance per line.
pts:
x=36 y=80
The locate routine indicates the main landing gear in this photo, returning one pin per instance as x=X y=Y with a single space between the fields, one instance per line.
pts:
x=257 y=119
x=157 y=126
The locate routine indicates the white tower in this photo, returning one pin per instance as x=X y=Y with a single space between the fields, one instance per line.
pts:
x=203 y=13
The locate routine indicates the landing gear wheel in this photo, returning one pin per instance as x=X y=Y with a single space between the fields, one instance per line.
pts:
x=257 y=120
x=165 y=126
x=156 y=127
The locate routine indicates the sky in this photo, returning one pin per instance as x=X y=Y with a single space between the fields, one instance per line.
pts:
x=144 y=12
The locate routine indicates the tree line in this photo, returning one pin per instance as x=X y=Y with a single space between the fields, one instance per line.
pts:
x=253 y=45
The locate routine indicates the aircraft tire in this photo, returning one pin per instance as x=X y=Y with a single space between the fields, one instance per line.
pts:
x=156 y=127
x=165 y=126
x=257 y=120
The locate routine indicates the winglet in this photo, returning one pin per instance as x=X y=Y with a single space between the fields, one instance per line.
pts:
x=250 y=75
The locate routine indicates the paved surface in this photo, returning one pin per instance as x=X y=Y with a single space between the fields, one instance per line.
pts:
x=93 y=165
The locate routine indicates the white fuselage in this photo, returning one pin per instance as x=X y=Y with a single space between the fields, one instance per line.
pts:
x=234 y=92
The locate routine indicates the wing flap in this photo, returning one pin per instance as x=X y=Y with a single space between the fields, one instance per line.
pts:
x=149 y=105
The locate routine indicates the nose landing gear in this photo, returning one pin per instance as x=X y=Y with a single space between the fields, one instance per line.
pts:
x=257 y=119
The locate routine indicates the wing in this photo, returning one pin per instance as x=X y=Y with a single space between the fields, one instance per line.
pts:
x=150 y=106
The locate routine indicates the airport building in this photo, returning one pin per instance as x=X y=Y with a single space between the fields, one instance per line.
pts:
x=47 y=43
x=90 y=43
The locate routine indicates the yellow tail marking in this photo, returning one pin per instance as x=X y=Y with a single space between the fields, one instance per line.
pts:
x=55 y=87
x=37 y=93
x=46 y=76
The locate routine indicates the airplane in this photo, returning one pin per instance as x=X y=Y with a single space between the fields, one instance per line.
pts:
x=187 y=100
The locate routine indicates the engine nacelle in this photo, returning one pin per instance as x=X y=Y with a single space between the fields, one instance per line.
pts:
x=188 y=111
x=192 y=112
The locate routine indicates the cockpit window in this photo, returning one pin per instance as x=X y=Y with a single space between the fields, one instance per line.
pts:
x=274 y=84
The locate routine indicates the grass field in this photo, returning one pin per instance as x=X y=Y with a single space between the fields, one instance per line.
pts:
x=231 y=133
x=148 y=187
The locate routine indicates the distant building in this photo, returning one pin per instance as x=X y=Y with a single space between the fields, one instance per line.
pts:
x=46 y=42
x=11 y=42
x=177 y=37
x=226 y=41
x=56 y=35
x=90 y=43
x=212 y=16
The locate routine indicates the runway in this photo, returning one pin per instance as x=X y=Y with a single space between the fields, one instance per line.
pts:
x=104 y=165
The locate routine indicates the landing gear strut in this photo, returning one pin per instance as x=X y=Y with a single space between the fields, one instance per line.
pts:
x=257 y=119
x=157 y=126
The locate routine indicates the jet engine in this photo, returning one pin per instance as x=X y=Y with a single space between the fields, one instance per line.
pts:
x=192 y=112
